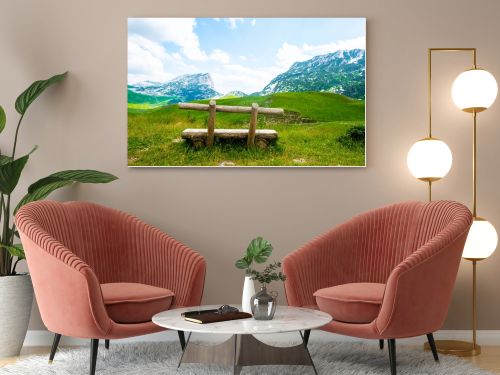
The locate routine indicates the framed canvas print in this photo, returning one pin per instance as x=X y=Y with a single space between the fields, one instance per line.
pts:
x=259 y=92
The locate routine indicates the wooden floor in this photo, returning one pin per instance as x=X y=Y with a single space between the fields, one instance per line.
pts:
x=488 y=360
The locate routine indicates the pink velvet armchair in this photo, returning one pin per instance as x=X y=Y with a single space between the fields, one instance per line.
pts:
x=385 y=274
x=99 y=273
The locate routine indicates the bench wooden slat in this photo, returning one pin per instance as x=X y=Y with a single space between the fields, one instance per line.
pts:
x=230 y=108
x=229 y=133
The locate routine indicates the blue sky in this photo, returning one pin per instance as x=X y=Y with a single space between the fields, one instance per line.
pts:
x=239 y=53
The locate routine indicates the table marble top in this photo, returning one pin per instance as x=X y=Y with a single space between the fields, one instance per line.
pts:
x=286 y=319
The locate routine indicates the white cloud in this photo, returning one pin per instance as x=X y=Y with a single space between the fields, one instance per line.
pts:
x=290 y=53
x=148 y=60
x=220 y=56
x=248 y=58
x=233 y=22
x=179 y=31
x=145 y=59
x=232 y=77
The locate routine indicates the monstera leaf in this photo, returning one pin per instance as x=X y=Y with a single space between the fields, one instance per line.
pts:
x=242 y=263
x=258 y=250
x=29 y=95
x=43 y=187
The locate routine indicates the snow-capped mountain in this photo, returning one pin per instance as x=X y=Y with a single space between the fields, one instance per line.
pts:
x=186 y=88
x=341 y=72
x=147 y=84
x=233 y=94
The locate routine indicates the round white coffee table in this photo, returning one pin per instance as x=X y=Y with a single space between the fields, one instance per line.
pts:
x=242 y=348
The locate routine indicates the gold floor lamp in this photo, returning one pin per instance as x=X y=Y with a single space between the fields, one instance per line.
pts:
x=430 y=159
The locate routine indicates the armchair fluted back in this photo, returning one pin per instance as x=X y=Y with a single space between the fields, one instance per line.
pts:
x=368 y=247
x=73 y=247
x=97 y=235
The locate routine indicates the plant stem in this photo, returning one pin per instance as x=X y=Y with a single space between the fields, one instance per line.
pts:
x=13 y=271
x=11 y=239
x=3 y=252
x=12 y=233
x=5 y=234
x=15 y=137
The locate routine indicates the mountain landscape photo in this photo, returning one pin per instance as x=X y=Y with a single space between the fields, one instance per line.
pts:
x=320 y=88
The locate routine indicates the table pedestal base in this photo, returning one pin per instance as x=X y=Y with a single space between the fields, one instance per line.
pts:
x=246 y=350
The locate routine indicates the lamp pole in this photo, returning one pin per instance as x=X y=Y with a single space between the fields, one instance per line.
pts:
x=476 y=349
x=429 y=96
x=474 y=165
x=454 y=347
x=474 y=215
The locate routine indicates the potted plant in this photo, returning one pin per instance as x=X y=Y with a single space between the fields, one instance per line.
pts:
x=16 y=291
x=259 y=250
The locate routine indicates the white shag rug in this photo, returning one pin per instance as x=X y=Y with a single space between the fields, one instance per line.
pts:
x=153 y=358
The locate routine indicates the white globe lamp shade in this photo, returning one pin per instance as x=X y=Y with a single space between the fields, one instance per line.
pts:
x=481 y=241
x=474 y=90
x=429 y=159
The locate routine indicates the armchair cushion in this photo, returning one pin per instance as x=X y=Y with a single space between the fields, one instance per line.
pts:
x=133 y=302
x=353 y=302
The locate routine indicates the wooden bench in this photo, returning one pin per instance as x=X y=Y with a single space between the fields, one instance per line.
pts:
x=198 y=137
x=255 y=137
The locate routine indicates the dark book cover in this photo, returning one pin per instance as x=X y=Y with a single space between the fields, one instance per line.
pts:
x=213 y=317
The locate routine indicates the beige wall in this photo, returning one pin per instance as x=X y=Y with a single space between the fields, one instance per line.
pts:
x=82 y=124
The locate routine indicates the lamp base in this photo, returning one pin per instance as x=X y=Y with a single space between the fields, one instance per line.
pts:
x=456 y=348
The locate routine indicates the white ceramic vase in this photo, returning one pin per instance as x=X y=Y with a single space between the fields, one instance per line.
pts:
x=16 y=298
x=248 y=292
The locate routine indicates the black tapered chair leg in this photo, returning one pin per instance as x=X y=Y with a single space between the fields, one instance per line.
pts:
x=392 y=355
x=94 y=346
x=182 y=339
x=432 y=344
x=106 y=344
x=307 y=333
x=55 y=344
x=381 y=344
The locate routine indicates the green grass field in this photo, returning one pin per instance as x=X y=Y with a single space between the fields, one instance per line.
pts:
x=307 y=133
